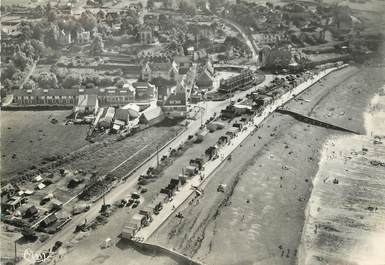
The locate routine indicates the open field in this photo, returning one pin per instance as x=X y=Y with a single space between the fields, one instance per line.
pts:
x=24 y=131
x=260 y=217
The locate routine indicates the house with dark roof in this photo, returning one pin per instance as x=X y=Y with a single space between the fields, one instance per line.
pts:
x=144 y=90
x=168 y=71
x=183 y=62
x=146 y=34
x=176 y=105
x=204 y=81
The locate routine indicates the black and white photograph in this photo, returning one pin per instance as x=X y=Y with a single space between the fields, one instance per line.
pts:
x=192 y=132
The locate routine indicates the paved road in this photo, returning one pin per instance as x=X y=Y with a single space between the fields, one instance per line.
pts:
x=28 y=75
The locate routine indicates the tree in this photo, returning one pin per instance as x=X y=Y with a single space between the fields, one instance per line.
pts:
x=52 y=16
x=51 y=37
x=26 y=31
x=8 y=84
x=21 y=61
x=150 y=4
x=9 y=71
x=28 y=50
x=72 y=80
x=38 y=31
x=97 y=46
x=188 y=7
x=39 y=47
x=47 y=80
x=88 y=21
x=106 y=81
x=30 y=84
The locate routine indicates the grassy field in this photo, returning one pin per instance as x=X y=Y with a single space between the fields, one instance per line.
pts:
x=32 y=137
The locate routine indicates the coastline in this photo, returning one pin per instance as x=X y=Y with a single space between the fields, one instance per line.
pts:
x=345 y=222
x=269 y=182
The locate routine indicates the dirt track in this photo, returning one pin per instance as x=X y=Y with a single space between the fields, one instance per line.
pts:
x=260 y=218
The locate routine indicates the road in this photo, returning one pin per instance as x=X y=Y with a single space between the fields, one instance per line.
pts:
x=125 y=188
x=29 y=74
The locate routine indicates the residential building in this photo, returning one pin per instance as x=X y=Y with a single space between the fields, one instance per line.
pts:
x=65 y=38
x=70 y=97
x=176 y=105
x=266 y=38
x=166 y=4
x=101 y=15
x=200 y=55
x=183 y=62
x=244 y=79
x=168 y=71
x=202 y=30
x=151 y=116
x=83 y=36
x=144 y=90
x=115 y=96
x=146 y=35
x=163 y=93
x=112 y=18
x=275 y=57
x=87 y=104
x=45 y=97
x=204 y=81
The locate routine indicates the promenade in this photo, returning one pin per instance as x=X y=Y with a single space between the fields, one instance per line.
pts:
x=186 y=190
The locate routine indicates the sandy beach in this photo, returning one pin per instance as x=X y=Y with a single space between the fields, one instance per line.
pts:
x=260 y=217
x=345 y=221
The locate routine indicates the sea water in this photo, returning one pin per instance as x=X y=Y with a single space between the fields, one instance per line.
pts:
x=345 y=215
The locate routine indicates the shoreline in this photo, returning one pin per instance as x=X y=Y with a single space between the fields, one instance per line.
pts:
x=275 y=216
x=315 y=242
